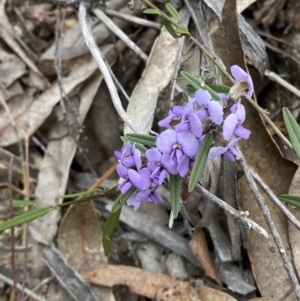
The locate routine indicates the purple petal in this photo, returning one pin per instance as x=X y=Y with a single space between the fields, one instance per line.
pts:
x=162 y=176
x=153 y=155
x=137 y=158
x=125 y=186
x=133 y=201
x=241 y=113
x=196 y=125
x=182 y=127
x=215 y=111
x=240 y=131
x=128 y=161
x=141 y=179
x=229 y=126
x=171 y=168
x=202 y=113
x=230 y=156
x=183 y=166
x=166 y=140
x=239 y=74
x=118 y=154
x=122 y=171
x=203 y=97
x=155 y=197
x=189 y=143
x=216 y=151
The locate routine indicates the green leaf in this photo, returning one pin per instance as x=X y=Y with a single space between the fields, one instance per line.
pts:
x=151 y=11
x=139 y=146
x=172 y=11
x=200 y=161
x=122 y=199
x=21 y=203
x=293 y=129
x=293 y=200
x=181 y=30
x=76 y=195
x=109 y=228
x=197 y=84
x=175 y=194
x=219 y=88
x=170 y=28
x=24 y=217
x=147 y=140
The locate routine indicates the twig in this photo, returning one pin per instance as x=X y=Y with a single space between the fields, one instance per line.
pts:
x=133 y=19
x=91 y=44
x=267 y=215
x=249 y=223
x=19 y=286
x=275 y=77
x=291 y=217
x=119 y=33
x=11 y=214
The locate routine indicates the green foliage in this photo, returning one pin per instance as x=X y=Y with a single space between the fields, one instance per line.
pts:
x=139 y=146
x=24 y=218
x=151 y=11
x=172 y=11
x=175 y=194
x=146 y=140
x=200 y=161
x=182 y=30
x=293 y=200
x=76 y=195
x=170 y=28
x=109 y=228
x=21 y=203
x=122 y=199
x=197 y=84
x=293 y=129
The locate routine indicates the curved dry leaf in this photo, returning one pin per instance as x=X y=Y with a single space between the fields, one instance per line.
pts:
x=157 y=75
x=81 y=245
x=200 y=249
x=210 y=294
x=41 y=106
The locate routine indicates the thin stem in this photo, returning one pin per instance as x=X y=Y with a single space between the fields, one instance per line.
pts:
x=225 y=73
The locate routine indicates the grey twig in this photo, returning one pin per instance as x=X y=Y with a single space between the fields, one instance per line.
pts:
x=133 y=19
x=91 y=44
x=275 y=77
x=291 y=217
x=119 y=33
x=19 y=287
x=249 y=223
x=267 y=215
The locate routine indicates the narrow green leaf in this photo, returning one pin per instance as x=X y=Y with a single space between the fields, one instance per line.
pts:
x=170 y=28
x=197 y=84
x=142 y=139
x=172 y=11
x=151 y=11
x=76 y=195
x=139 y=146
x=24 y=217
x=21 y=203
x=109 y=228
x=175 y=194
x=219 y=88
x=293 y=200
x=122 y=199
x=181 y=30
x=200 y=161
x=293 y=129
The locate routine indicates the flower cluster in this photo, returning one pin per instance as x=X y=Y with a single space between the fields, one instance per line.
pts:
x=177 y=146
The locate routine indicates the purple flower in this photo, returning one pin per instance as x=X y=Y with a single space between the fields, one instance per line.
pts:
x=175 y=115
x=233 y=123
x=177 y=148
x=129 y=156
x=240 y=75
x=149 y=195
x=156 y=166
x=139 y=179
x=209 y=108
x=229 y=151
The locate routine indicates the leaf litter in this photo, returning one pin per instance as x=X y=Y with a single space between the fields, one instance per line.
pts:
x=212 y=255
